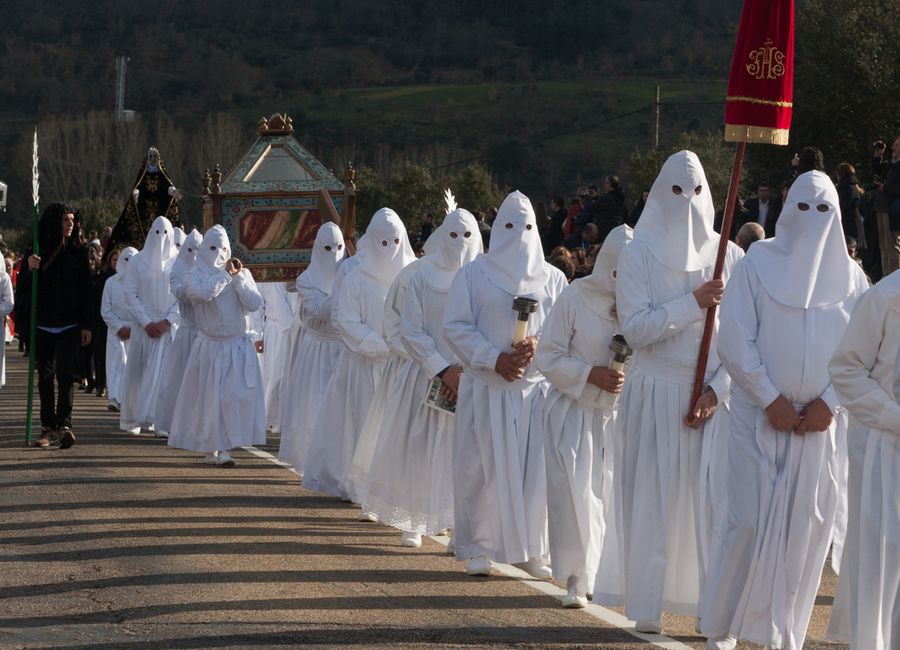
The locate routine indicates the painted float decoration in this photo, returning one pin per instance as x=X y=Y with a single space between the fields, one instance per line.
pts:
x=273 y=201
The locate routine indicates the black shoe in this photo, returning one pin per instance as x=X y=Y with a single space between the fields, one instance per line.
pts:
x=66 y=438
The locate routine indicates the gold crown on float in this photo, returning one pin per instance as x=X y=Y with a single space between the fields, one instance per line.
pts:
x=277 y=124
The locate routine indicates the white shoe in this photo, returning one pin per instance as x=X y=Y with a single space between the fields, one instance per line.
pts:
x=724 y=642
x=648 y=627
x=224 y=459
x=365 y=515
x=537 y=569
x=162 y=434
x=451 y=545
x=136 y=431
x=574 y=601
x=479 y=566
x=412 y=540
x=211 y=458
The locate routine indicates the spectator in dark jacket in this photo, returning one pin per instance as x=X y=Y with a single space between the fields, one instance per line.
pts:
x=887 y=202
x=584 y=238
x=63 y=317
x=850 y=198
x=608 y=210
x=557 y=217
x=635 y=214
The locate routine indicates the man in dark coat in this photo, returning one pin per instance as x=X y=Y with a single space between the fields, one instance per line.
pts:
x=63 y=317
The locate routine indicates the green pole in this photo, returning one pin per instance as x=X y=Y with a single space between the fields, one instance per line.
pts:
x=32 y=334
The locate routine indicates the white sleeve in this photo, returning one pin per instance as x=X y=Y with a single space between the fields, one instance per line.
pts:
x=356 y=334
x=112 y=321
x=853 y=361
x=207 y=288
x=6 y=296
x=393 y=306
x=248 y=292
x=553 y=357
x=643 y=324
x=459 y=325
x=132 y=298
x=417 y=342
x=738 y=329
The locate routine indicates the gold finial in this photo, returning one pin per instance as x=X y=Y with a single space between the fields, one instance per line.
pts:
x=262 y=125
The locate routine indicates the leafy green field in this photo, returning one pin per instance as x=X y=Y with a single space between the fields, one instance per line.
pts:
x=539 y=135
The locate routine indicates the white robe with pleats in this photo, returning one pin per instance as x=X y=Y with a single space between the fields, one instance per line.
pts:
x=221 y=405
x=411 y=477
x=385 y=399
x=865 y=372
x=670 y=473
x=782 y=488
x=500 y=486
x=116 y=316
x=578 y=445
x=358 y=316
x=313 y=362
x=146 y=356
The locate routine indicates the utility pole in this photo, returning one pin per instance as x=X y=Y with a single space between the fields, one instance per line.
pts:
x=656 y=140
x=121 y=65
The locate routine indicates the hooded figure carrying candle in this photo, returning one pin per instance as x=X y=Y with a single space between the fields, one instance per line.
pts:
x=579 y=443
x=221 y=405
x=500 y=487
x=669 y=463
x=784 y=313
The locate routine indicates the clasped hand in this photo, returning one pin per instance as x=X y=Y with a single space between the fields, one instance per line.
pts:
x=155 y=330
x=513 y=365
x=815 y=416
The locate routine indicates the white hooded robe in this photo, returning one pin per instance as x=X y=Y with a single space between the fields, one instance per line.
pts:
x=358 y=317
x=316 y=351
x=865 y=372
x=784 y=312
x=578 y=431
x=411 y=477
x=221 y=405
x=115 y=313
x=173 y=367
x=668 y=471
x=150 y=300
x=500 y=488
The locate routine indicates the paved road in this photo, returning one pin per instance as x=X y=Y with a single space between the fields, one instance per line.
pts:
x=123 y=543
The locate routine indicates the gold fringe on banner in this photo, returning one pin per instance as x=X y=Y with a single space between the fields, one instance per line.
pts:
x=757 y=134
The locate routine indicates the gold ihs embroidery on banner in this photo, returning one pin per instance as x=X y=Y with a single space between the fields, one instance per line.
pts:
x=766 y=62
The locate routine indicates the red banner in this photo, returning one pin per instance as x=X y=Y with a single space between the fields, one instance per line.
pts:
x=761 y=86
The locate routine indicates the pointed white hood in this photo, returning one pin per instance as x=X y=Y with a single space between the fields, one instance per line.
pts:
x=187 y=254
x=124 y=265
x=456 y=242
x=386 y=249
x=515 y=260
x=678 y=228
x=178 y=237
x=159 y=247
x=600 y=285
x=806 y=264
x=215 y=249
x=328 y=251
